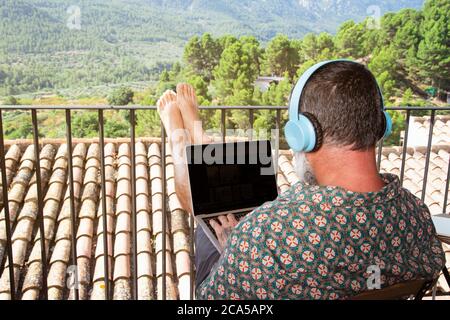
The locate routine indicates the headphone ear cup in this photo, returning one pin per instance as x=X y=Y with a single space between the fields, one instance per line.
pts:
x=388 y=128
x=300 y=135
x=317 y=130
x=294 y=135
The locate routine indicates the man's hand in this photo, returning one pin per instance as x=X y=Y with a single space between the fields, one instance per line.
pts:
x=223 y=227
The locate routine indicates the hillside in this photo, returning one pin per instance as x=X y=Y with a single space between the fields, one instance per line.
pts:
x=131 y=41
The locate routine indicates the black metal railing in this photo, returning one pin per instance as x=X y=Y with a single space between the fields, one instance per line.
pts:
x=433 y=111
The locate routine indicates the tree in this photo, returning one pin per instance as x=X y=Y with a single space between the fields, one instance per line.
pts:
x=325 y=46
x=384 y=60
x=277 y=94
x=235 y=77
x=408 y=35
x=11 y=101
x=281 y=56
x=305 y=66
x=85 y=124
x=121 y=97
x=309 y=47
x=202 y=55
x=116 y=127
x=407 y=97
x=349 y=39
x=387 y=85
x=148 y=123
x=434 y=50
x=201 y=89
x=237 y=71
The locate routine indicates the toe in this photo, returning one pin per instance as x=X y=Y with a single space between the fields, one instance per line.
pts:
x=160 y=104
x=182 y=89
x=192 y=91
x=170 y=95
x=179 y=88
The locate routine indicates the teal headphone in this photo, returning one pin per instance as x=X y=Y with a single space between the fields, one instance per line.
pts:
x=303 y=132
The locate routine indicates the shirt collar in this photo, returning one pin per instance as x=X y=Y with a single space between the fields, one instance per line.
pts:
x=339 y=197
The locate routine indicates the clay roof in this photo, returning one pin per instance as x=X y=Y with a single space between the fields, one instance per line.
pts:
x=149 y=202
x=419 y=128
x=391 y=162
x=89 y=231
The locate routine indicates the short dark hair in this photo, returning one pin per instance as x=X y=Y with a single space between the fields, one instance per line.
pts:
x=344 y=98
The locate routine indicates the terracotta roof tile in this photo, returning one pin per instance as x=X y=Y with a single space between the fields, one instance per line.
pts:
x=61 y=252
x=23 y=230
x=419 y=131
x=32 y=281
x=12 y=158
x=98 y=287
x=16 y=193
x=154 y=156
x=145 y=255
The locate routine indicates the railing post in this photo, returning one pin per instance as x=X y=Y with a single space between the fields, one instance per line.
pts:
x=192 y=256
x=133 y=205
x=405 y=147
x=12 y=285
x=223 y=124
x=277 y=146
x=40 y=215
x=73 y=218
x=427 y=161
x=164 y=222
x=447 y=185
x=380 y=153
x=251 y=120
x=104 y=216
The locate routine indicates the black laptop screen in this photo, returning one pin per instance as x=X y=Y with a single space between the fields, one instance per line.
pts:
x=231 y=176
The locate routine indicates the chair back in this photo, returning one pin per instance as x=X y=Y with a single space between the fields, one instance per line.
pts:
x=412 y=289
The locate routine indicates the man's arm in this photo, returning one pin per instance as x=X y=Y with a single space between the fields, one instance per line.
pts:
x=223 y=281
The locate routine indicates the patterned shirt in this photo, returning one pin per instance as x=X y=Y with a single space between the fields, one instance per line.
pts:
x=323 y=242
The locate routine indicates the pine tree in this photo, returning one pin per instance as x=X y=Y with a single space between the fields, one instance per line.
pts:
x=237 y=71
x=202 y=55
x=281 y=56
x=434 y=50
x=349 y=39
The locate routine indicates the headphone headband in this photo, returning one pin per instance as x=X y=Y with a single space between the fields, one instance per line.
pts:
x=294 y=103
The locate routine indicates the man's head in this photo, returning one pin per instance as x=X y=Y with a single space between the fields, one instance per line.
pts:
x=344 y=98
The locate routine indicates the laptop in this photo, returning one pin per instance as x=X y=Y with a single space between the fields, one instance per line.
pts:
x=229 y=178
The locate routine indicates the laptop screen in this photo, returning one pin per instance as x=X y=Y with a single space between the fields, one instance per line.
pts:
x=231 y=176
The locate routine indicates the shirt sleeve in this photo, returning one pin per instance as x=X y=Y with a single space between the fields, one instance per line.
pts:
x=219 y=285
x=231 y=277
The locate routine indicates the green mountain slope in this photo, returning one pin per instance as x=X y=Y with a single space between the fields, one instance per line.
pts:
x=123 y=41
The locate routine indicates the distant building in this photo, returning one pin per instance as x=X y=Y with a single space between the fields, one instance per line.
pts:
x=263 y=83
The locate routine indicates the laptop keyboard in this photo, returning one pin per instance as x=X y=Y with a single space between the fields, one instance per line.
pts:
x=238 y=217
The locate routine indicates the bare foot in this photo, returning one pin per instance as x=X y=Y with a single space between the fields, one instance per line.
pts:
x=170 y=114
x=188 y=103
x=178 y=138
